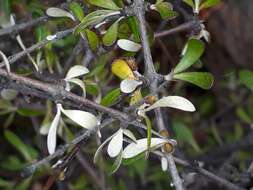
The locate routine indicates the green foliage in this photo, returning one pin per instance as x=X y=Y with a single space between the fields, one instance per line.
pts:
x=149 y=134
x=27 y=112
x=193 y=51
x=93 y=18
x=184 y=134
x=134 y=27
x=28 y=152
x=201 y=79
x=165 y=9
x=77 y=10
x=246 y=78
x=209 y=3
x=92 y=39
x=107 y=4
x=111 y=97
x=111 y=35
x=189 y=2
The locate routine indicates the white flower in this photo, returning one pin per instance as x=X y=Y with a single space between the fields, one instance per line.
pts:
x=115 y=145
x=71 y=77
x=82 y=118
x=129 y=85
x=140 y=146
x=177 y=102
x=128 y=45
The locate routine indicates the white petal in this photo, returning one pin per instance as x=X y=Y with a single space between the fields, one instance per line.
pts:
x=128 y=45
x=44 y=129
x=129 y=85
x=51 y=37
x=196 y=9
x=164 y=163
x=57 y=12
x=22 y=45
x=115 y=145
x=129 y=134
x=82 y=118
x=51 y=137
x=9 y=94
x=76 y=71
x=79 y=83
x=140 y=146
x=6 y=61
x=12 y=20
x=100 y=148
x=173 y=102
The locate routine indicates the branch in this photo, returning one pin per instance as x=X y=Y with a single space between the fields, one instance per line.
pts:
x=152 y=76
x=60 y=151
x=59 y=35
x=23 y=26
x=209 y=174
x=180 y=28
x=54 y=92
x=139 y=11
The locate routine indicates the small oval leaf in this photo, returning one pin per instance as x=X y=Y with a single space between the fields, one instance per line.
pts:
x=140 y=146
x=80 y=83
x=121 y=69
x=115 y=145
x=111 y=35
x=129 y=85
x=57 y=12
x=173 y=102
x=77 y=10
x=194 y=50
x=128 y=45
x=108 y=4
x=52 y=133
x=202 y=79
x=82 y=118
x=76 y=71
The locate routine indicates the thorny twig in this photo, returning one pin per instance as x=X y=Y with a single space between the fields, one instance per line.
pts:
x=56 y=93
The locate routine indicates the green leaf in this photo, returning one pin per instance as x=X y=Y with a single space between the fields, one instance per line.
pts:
x=94 y=18
x=18 y=144
x=243 y=115
x=246 y=78
x=202 y=79
x=194 y=50
x=77 y=10
x=189 y=2
x=165 y=10
x=111 y=97
x=111 y=35
x=27 y=112
x=184 y=134
x=92 y=39
x=91 y=88
x=149 y=127
x=108 y=4
x=132 y=21
x=209 y=3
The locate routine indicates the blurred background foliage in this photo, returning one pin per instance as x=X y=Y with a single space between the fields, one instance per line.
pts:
x=219 y=134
